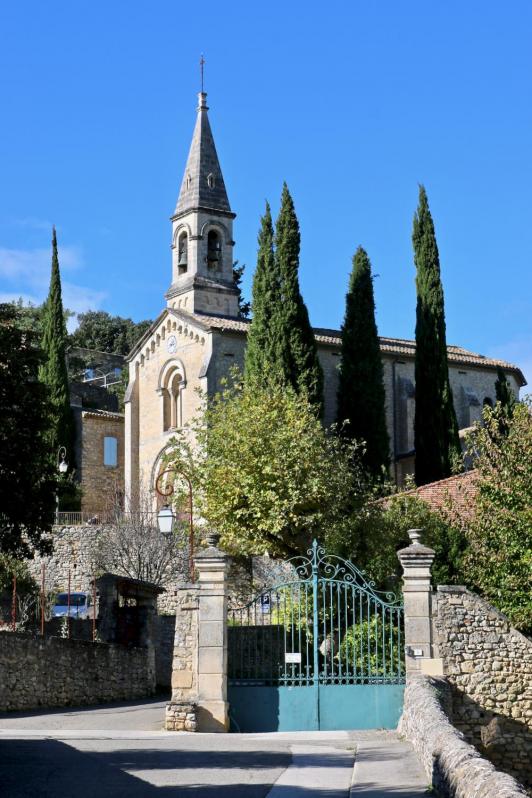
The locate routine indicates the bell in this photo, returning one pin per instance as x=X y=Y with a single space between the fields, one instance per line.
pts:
x=182 y=258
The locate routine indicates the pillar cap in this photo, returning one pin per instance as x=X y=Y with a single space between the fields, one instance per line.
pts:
x=416 y=548
x=212 y=552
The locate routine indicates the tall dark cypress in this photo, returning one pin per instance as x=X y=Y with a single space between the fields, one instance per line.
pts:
x=504 y=393
x=361 y=397
x=53 y=372
x=436 y=429
x=297 y=350
x=262 y=350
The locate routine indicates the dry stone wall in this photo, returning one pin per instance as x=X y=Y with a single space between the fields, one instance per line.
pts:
x=53 y=672
x=489 y=667
x=74 y=549
x=181 y=712
x=454 y=768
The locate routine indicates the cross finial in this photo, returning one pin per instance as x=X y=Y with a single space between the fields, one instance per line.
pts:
x=202 y=64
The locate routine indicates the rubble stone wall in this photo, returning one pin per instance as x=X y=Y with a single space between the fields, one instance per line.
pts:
x=54 y=672
x=181 y=711
x=454 y=768
x=489 y=667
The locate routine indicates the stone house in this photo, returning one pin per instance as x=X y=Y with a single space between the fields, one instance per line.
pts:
x=198 y=336
x=99 y=433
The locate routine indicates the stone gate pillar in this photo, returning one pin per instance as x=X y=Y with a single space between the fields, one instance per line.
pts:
x=199 y=669
x=212 y=566
x=416 y=561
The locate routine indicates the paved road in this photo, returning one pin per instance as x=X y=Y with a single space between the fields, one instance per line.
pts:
x=120 y=751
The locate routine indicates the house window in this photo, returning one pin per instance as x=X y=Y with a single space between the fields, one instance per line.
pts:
x=110 y=451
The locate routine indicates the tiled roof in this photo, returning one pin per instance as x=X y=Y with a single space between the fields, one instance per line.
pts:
x=459 y=491
x=94 y=413
x=398 y=347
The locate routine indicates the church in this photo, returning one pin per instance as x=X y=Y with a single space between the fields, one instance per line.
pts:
x=199 y=336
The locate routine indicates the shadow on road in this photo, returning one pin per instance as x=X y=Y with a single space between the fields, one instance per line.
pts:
x=50 y=768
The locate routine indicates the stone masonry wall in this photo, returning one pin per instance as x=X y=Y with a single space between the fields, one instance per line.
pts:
x=180 y=713
x=100 y=483
x=53 y=672
x=74 y=550
x=454 y=768
x=489 y=667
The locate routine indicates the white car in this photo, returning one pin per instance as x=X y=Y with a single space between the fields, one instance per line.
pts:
x=80 y=605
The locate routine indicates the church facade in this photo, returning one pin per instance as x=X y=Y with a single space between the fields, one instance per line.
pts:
x=199 y=336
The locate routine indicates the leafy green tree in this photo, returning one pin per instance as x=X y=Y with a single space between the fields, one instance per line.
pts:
x=53 y=371
x=378 y=527
x=436 y=430
x=499 y=559
x=265 y=473
x=105 y=333
x=27 y=473
x=262 y=362
x=297 y=347
x=361 y=398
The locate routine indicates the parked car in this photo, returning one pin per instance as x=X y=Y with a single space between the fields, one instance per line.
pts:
x=80 y=605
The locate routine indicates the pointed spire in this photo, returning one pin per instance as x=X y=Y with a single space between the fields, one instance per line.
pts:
x=203 y=184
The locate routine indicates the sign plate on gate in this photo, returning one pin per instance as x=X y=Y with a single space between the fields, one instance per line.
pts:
x=292 y=658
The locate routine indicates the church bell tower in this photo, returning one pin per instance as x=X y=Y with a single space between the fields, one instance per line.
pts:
x=202 y=231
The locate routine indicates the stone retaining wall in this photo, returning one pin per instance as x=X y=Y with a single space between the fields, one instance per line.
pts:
x=53 y=672
x=489 y=667
x=74 y=550
x=454 y=768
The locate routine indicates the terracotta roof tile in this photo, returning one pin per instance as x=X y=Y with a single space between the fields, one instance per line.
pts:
x=94 y=413
x=390 y=346
x=459 y=491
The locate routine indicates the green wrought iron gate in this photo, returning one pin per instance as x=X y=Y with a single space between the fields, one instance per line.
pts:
x=323 y=650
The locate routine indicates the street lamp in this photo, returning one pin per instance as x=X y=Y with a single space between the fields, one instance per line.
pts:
x=165 y=519
x=165 y=516
x=62 y=467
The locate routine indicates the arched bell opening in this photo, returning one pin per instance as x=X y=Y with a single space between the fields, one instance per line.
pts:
x=214 y=250
x=182 y=254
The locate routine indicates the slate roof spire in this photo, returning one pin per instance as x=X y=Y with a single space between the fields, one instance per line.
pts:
x=203 y=183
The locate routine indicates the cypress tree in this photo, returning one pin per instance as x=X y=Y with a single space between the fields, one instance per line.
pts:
x=297 y=350
x=361 y=397
x=506 y=401
x=261 y=359
x=435 y=426
x=53 y=372
x=503 y=392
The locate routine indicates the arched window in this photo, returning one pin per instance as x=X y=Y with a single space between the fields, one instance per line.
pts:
x=171 y=385
x=182 y=254
x=214 y=250
x=172 y=402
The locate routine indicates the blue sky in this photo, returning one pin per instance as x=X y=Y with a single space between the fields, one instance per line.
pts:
x=353 y=103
